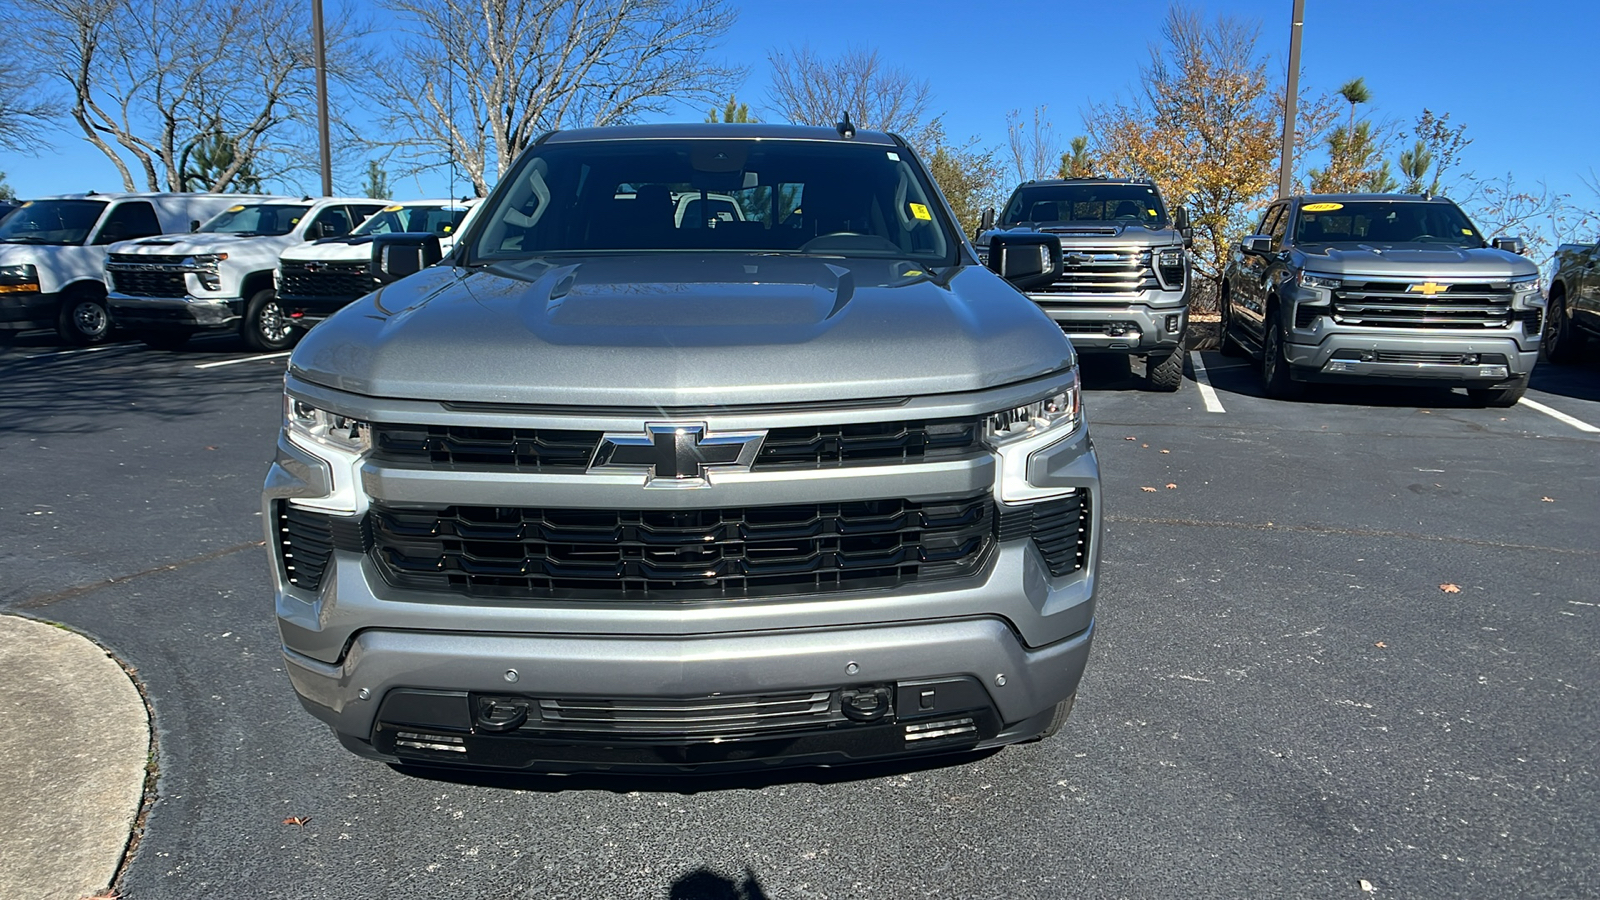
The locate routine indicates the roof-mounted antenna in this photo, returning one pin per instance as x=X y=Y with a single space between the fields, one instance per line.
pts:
x=1427 y=194
x=845 y=128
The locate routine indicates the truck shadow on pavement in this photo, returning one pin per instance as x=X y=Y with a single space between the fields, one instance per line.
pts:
x=705 y=884
x=1242 y=376
x=688 y=783
x=1580 y=382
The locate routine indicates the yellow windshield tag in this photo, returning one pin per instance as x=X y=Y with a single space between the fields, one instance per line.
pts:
x=1321 y=207
x=1151 y=212
x=395 y=208
x=921 y=212
x=912 y=273
x=239 y=208
x=449 y=228
x=1467 y=232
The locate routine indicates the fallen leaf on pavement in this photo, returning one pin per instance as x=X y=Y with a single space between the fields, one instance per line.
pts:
x=1366 y=885
x=211 y=447
x=301 y=821
x=1166 y=451
x=1146 y=446
x=1130 y=438
x=1547 y=499
x=1148 y=490
x=1171 y=487
x=1449 y=588
x=1380 y=644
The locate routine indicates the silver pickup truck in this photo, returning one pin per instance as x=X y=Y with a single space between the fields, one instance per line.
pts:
x=617 y=487
x=1382 y=289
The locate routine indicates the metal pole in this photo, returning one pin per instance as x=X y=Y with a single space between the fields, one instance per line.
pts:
x=1291 y=94
x=322 y=98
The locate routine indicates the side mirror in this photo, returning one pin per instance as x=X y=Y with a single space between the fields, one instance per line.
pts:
x=1259 y=244
x=1180 y=223
x=987 y=222
x=194 y=225
x=1510 y=245
x=394 y=256
x=1026 y=260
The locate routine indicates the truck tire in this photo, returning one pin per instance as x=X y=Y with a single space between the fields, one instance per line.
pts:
x=1499 y=398
x=83 y=319
x=1230 y=345
x=166 y=340
x=1274 y=366
x=1164 y=373
x=265 y=327
x=1563 y=344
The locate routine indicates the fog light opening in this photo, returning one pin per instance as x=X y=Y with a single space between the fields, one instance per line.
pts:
x=441 y=743
x=927 y=731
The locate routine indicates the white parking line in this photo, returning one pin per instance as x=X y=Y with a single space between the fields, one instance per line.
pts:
x=242 y=359
x=76 y=352
x=1559 y=415
x=1203 y=382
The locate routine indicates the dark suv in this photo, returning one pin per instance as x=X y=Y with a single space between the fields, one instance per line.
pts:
x=1382 y=289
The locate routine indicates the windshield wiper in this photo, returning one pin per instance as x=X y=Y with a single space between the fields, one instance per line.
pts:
x=24 y=239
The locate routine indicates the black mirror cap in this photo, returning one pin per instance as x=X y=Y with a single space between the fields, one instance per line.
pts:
x=1026 y=259
x=194 y=225
x=1257 y=243
x=394 y=256
x=1511 y=245
x=987 y=222
x=1180 y=224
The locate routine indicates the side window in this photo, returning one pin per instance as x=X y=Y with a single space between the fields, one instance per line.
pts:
x=359 y=214
x=126 y=221
x=1268 y=220
x=1280 y=223
x=331 y=222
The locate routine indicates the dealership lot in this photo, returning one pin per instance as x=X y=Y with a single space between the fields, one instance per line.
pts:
x=1284 y=698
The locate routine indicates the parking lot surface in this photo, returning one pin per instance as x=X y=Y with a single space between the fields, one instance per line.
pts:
x=1344 y=644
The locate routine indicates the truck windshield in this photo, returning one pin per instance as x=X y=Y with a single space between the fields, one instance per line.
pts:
x=1127 y=204
x=64 y=222
x=773 y=196
x=1385 y=222
x=252 y=219
x=432 y=219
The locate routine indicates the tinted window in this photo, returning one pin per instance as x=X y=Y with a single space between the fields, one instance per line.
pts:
x=1279 y=225
x=331 y=222
x=397 y=218
x=771 y=195
x=134 y=219
x=256 y=219
x=52 y=222
x=1133 y=204
x=1384 y=222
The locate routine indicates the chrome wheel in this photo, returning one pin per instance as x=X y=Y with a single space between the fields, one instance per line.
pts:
x=272 y=324
x=91 y=319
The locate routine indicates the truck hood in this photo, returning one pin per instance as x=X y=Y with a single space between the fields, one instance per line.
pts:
x=673 y=330
x=1094 y=234
x=1415 y=261
x=331 y=250
x=186 y=244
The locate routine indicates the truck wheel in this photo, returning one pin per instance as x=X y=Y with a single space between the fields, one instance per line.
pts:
x=265 y=327
x=1274 y=367
x=166 y=340
x=1499 y=397
x=1563 y=344
x=1230 y=344
x=1164 y=373
x=83 y=319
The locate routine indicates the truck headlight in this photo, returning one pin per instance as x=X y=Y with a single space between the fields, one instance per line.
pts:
x=306 y=423
x=1170 y=258
x=1325 y=282
x=1526 y=291
x=19 y=279
x=1059 y=411
x=205 y=266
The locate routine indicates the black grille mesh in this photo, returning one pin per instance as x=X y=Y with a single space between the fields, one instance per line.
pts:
x=1059 y=528
x=148 y=284
x=307 y=539
x=347 y=281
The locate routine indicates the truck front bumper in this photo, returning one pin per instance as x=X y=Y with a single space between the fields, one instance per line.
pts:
x=186 y=312
x=1348 y=355
x=1097 y=324
x=28 y=309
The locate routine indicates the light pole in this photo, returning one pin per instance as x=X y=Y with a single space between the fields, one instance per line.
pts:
x=1291 y=94
x=322 y=97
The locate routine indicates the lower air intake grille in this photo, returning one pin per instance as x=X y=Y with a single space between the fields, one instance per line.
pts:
x=1305 y=314
x=307 y=539
x=1059 y=528
x=701 y=716
x=533 y=553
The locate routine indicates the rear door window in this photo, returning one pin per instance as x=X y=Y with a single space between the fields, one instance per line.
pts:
x=129 y=220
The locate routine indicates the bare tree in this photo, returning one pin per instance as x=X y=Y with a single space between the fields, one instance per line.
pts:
x=151 y=82
x=1035 y=150
x=481 y=81
x=808 y=89
x=25 y=112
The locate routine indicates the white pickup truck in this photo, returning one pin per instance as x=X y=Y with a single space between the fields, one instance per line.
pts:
x=221 y=277
x=53 y=253
x=318 y=279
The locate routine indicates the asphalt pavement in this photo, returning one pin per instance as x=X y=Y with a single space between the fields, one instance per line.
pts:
x=1346 y=647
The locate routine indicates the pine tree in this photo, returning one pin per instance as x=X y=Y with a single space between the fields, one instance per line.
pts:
x=377 y=184
x=734 y=112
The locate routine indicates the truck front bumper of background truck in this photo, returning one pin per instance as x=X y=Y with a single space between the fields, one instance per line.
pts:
x=1475 y=359
x=28 y=309
x=1098 y=323
x=175 y=312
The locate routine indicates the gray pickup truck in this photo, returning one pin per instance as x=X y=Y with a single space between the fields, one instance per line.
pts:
x=617 y=487
x=1382 y=289
x=1572 y=321
x=1124 y=283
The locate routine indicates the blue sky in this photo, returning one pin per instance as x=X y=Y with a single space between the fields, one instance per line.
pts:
x=1520 y=76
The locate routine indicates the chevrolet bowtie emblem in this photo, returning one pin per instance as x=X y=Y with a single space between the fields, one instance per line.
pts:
x=675 y=454
x=1428 y=288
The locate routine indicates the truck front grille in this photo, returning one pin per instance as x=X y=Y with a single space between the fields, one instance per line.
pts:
x=147 y=283
x=555 y=450
x=531 y=553
x=1391 y=304
x=334 y=280
x=1086 y=270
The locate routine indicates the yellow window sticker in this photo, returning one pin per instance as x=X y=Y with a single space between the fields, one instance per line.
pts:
x=921 y=212
x=1321 y=207
x=239 y=208
x=1467 y=232
x=1150 y=212
x=395 y=208
x=912 y=273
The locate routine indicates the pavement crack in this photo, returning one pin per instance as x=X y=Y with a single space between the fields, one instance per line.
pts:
x=43 y=600
x=1349 y=532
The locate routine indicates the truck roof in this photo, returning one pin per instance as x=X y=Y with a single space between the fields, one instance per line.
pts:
x=1355 y=198
x=702 y=130
x=125 y=195
x=1093 y=179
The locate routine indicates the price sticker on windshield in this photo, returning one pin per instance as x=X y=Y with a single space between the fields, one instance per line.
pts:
x=921 y=212
x=395 y=208
x=1322 y=207
x=236 y=208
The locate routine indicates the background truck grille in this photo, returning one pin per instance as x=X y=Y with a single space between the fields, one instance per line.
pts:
x=346 y=280
x=1087 y=270
x=1059 y=528
x=554 y=450
x=1391 y=304
x=530 y=553
x=145 y=283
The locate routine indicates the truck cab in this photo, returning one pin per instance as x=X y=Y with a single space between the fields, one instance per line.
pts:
x=220 y=278
x=1124 y=283
x=53 y=253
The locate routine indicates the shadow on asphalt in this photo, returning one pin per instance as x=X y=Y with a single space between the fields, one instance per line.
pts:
x=688 y=783
x=1580 y=382
x=1242 y=376
x=705 y=884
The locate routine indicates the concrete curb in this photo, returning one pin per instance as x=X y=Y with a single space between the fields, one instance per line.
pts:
x=73 y=755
